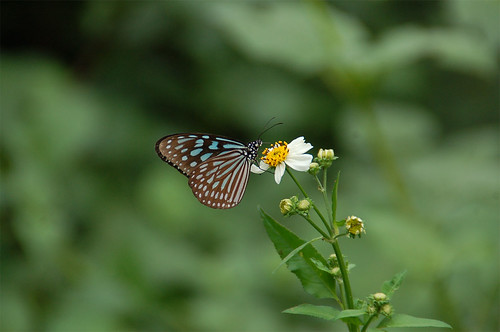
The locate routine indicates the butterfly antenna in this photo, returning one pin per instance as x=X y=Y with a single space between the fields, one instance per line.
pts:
x=268 y=121
x=266 y=129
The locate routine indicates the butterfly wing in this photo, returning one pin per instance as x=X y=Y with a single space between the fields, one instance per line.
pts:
x=187 y=151
x=220 y=181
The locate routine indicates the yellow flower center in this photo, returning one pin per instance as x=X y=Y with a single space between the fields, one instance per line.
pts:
x=276 y=154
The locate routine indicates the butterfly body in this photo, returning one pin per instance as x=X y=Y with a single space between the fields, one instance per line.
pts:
x=217 y=167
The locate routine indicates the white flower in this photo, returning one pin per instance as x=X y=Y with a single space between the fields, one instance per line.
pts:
x=281 y=154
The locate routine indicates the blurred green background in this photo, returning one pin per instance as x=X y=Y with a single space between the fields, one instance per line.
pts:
x=98 y=234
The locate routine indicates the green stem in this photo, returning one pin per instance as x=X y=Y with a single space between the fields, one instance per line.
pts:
x=325 y=197
x=345 y=275
x=321 y=187
x=313 y=205
x=313 y=224
x=340 y=235
x=342 y=296
x=365 y=327
x=334 y=204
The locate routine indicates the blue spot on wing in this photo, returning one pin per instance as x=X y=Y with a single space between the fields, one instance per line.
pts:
x=229 y=140
x=196 y=152
x=231 y=146
x=206 y=156
x=214 y=145
x=199 y=143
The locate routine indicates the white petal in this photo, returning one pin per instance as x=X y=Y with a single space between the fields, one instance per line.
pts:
x=299 y=162
x=259 y=169
x=298 y=146
x=278 y=172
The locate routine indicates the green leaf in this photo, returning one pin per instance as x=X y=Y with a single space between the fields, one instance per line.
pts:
x=315 y=282
x=324 y=312
x=350 y=313
x=402 y=320
x=295 y=251
x=318 y=311
x=321 y=266
x=390 y=286
x=340 y=223
x=334 y=196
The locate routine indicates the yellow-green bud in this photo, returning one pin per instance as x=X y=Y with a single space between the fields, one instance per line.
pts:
x=379 y=297
x=304 y=205
x=332 y=260
x=386 y=309
x=286 y=206
x=325 y=157
x=314 y=168
x=326 y=154
x=354 y=226
x=370 y=310
x=336 y=271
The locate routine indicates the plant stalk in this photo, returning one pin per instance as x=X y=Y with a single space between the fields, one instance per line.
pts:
x=313 y=224
x=313 y=205
x=327 y=204
x=365 y=327
x=345 y=275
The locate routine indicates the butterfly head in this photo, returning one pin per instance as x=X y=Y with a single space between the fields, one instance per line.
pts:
x=253 y=149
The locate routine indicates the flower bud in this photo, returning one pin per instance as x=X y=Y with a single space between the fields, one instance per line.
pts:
x=354 y=226
x=321 y=154
x=386 y=309
x=286 y=206
x=336 y=271
x=304 y=205
x=370 y=310
x=326 y=154
x=332 y=258
x=379 y=297
x=325 y=157
x=314 y=168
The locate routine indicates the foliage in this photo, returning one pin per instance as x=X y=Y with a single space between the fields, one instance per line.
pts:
x=96 y=232
x=321 y=278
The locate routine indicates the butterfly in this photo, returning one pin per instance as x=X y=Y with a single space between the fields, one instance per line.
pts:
x=217 y=167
